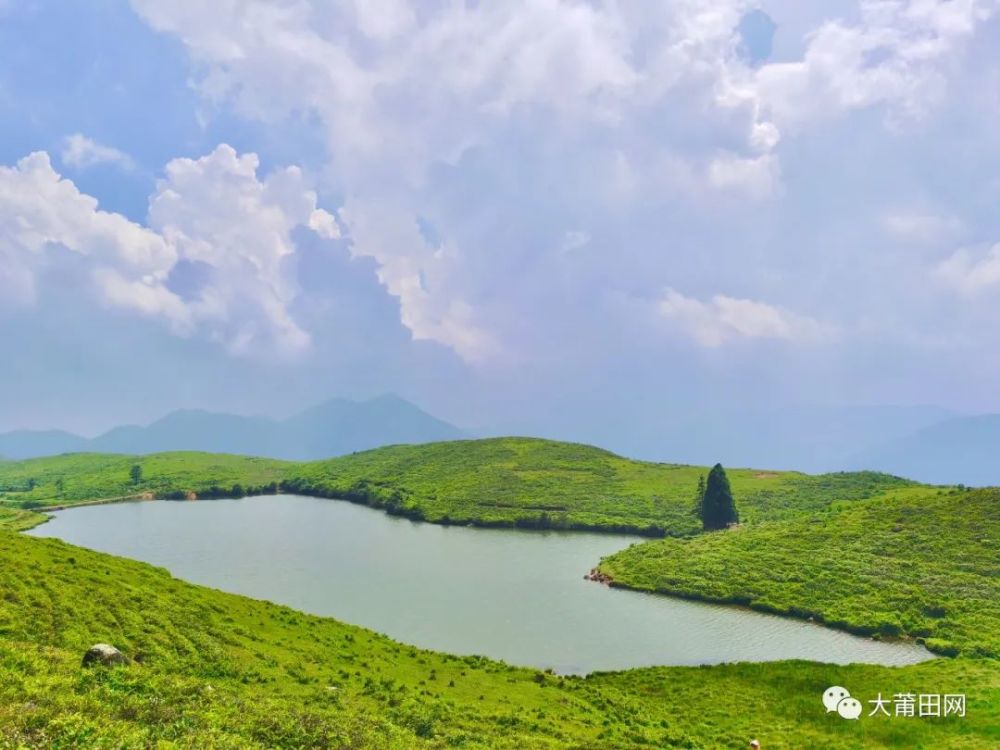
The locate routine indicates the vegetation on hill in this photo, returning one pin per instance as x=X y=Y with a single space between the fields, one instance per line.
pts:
x=213 y=670
x=14 y=519
x=863 y=551
x=921 y=564
x=76 y=478
x=520 y=482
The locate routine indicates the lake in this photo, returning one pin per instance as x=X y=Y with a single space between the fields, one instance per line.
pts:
x=518 y=596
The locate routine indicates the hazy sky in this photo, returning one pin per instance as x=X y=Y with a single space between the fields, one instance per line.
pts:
x=509 y=212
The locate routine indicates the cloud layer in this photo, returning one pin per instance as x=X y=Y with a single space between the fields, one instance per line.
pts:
x=611 y=106
x=211 y=214
x=723 y=319
x=81 y=152
x=520 y=201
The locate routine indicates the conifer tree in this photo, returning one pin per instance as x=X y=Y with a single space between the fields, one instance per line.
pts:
x=718 y=509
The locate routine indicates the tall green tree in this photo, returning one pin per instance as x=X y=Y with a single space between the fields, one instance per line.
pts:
x=718 y=509
x=699 y=496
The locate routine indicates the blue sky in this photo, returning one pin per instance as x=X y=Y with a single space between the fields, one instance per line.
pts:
x=512 y=213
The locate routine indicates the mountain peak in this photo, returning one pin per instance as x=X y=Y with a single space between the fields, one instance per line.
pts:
x=333 y=427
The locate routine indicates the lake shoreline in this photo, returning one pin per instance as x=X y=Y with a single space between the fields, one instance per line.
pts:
x=545 y=575
x=523 y=524
x=595 y=574
x=792 y=613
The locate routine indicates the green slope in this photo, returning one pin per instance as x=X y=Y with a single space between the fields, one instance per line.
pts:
x=497 y=482
x=14 y=519
x=863 y=551
x=542 y=483
x=213 y=670
x=76 y=478
x=924 y=565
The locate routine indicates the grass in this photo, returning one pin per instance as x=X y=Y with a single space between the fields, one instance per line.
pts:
x=861 y=551
x=213 y=670
x=508 y=482
x=920 y=565
x=546 y=484
x=15 y=519
x=77 y=478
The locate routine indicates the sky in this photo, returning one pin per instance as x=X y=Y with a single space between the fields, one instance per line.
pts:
x=524 y=216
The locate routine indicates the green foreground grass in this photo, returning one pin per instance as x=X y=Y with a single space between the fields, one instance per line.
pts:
x=213 y=670
x=866 y=552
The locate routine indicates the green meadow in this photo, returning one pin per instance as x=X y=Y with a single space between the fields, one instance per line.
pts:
x=513 y=482
x=925 y=566
x=865 y=552
x=212 y=670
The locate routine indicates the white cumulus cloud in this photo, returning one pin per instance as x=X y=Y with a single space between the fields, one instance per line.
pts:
x=454 y=76
x=971 y=271
x=81 y=152
x=657 y=93
x=722 y=319
x=39 y=210
x=420 y=275
x=214 y=213
x=897 y=53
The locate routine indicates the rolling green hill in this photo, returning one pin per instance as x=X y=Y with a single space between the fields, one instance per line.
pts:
x=213 y=670
x=497 y=482
x=925 y=566
x=75 y=478
x=547 y=484
x=866 y=552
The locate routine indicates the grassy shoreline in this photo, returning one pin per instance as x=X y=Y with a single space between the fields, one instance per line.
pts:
x=216 y=670
x=917 y=567
x=792 y=612
x=861 y=552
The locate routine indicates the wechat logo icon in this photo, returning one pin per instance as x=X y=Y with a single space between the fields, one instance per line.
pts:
x=838 y=699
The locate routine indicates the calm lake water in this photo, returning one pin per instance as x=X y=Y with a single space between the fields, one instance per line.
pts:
x=512 y=595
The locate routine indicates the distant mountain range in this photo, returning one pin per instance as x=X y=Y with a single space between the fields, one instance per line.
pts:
x=923 y=443
x=804 y=438
x=961 y=450
x=926 y=443
x=332 y=428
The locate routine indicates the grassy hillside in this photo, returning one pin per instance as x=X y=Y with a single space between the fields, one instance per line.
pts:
x=864 y=551
x=76 y=478
x=14 y=519
x=496 y=482
x=541 y=483
x=212 y=670
x=926 y=566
